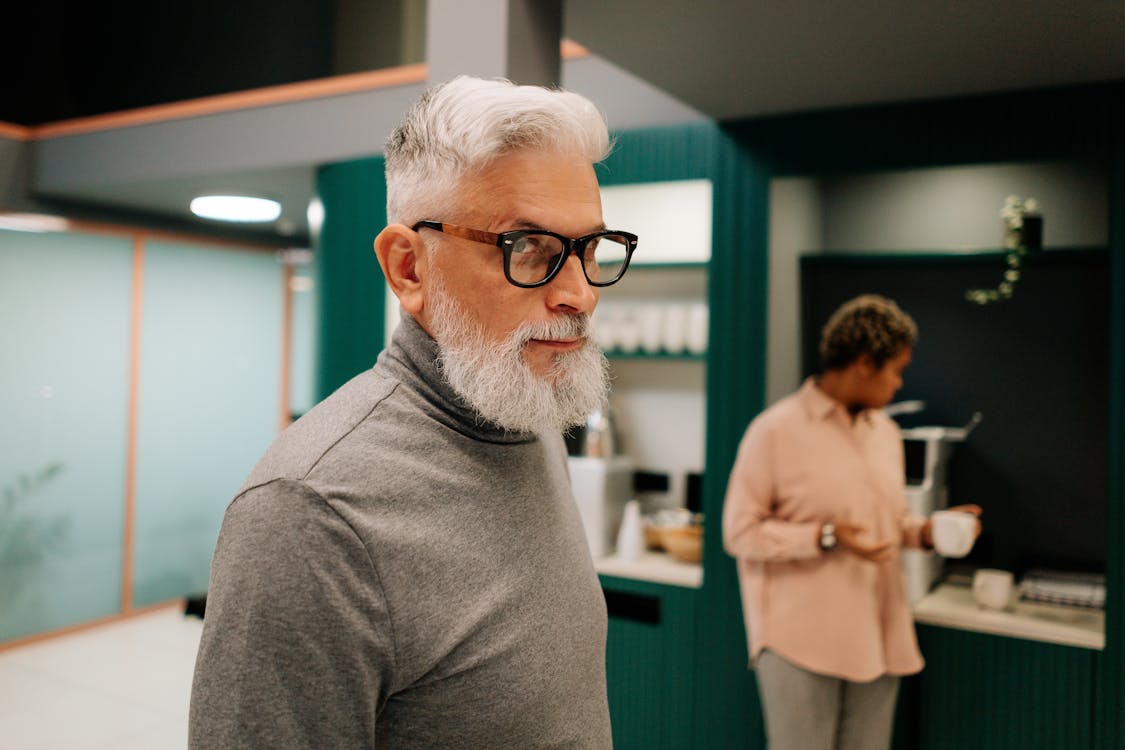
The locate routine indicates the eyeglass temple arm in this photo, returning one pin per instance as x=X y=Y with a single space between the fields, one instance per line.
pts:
x=476 y=235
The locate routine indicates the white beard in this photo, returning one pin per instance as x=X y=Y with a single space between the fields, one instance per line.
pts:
x=494 y=380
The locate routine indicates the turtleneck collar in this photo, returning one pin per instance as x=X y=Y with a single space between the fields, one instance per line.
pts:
x=412 y=358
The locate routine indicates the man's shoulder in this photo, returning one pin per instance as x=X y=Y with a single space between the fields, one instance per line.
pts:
x=324 y=428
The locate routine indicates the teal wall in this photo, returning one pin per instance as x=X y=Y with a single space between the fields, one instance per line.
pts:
x=64 y=388
x=208 y=403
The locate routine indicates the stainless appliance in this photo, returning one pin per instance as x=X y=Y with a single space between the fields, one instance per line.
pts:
x=601 y=488
x=928 y=451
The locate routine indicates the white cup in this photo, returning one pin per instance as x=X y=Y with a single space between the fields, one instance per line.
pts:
x=954 y=532
x=605 y=327
x=993 y=589
x=651 y=320
x=697 y=328
x=675 y=328
x=628 y=332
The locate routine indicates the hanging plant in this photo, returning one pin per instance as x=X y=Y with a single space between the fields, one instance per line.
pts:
x=1023 y=234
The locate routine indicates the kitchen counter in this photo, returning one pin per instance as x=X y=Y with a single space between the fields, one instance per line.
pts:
x=951 y=605
x=656 y=567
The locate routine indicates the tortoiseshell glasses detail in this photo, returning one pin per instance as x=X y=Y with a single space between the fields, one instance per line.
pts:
x=532 y=257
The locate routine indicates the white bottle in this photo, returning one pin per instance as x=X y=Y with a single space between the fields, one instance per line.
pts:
x=631 y=537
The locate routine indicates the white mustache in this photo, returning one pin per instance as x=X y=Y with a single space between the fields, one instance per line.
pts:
x=562 y=328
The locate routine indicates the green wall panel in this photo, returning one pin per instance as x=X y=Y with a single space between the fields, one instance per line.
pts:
x=208 y=404
x=650 y=669
x=351 y=288
x=64 y=383
x=725 y=709
x=983 y=692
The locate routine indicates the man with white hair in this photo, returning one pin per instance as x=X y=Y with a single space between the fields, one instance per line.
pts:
x=405 y=567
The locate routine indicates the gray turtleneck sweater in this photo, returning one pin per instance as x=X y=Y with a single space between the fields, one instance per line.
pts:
x=397 y=574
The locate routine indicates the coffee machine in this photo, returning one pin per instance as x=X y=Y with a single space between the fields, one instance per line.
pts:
x=928 y=450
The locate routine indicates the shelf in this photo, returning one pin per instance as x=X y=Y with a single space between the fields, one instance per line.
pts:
x=678 y=266
x=683 y=356
x=952 y=606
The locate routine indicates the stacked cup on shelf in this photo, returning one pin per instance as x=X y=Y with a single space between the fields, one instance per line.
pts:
x=652 y=327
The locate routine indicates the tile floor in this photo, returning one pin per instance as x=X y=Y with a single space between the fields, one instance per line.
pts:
x=120 y=686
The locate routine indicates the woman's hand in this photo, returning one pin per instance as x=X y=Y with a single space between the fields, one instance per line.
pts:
x=848 y=536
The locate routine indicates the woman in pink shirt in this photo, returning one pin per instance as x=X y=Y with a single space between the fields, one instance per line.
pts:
x=815 y=515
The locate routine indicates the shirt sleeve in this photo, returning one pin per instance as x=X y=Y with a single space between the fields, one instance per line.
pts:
x=750 y=530
x=297 y=648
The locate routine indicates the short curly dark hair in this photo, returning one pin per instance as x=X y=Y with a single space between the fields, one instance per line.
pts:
x=869 y=324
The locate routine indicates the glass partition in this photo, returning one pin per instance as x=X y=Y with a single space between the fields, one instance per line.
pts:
x=209 y=402
x=65 y=304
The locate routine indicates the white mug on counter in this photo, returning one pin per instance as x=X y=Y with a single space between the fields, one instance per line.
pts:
x=994 y=589
x=954 y=532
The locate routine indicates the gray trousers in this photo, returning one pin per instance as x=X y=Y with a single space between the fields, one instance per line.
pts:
x=808 y=711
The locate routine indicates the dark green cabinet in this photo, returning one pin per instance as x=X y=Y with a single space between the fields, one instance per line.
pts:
x=987 y=692
x=649 y=663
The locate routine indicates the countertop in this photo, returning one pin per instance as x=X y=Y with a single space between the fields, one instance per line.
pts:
x=657 y=567
x=949 y=605
x=952 y=605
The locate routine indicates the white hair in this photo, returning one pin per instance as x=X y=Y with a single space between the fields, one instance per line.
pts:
x=461 y=125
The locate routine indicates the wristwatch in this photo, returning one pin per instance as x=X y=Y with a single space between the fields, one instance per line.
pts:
x=828 y=537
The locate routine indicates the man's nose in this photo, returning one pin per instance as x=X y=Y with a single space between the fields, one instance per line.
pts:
x=570 y=289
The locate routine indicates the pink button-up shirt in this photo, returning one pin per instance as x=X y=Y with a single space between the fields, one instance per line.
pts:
x=805 y=462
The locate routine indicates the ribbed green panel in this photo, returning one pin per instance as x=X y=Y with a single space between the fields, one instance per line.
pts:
x=727 y=703
x=982 y=692
x=659 y=155
x=65 y=303
x=351 y=289
x=650 y=676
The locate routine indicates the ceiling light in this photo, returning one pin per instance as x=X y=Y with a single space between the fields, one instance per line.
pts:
x=235 y=208
x=33 y=223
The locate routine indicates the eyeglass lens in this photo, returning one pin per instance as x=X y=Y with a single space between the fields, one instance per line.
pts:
x=535 y=256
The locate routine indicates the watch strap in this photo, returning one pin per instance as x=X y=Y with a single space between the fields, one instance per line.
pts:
x=828 y=539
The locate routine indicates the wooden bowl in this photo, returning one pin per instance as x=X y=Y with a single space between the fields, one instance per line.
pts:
x=684 y=543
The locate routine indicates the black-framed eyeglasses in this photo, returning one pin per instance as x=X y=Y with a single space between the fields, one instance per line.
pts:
x=532 y=257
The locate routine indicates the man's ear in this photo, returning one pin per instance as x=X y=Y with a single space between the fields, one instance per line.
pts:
x=402 y=257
